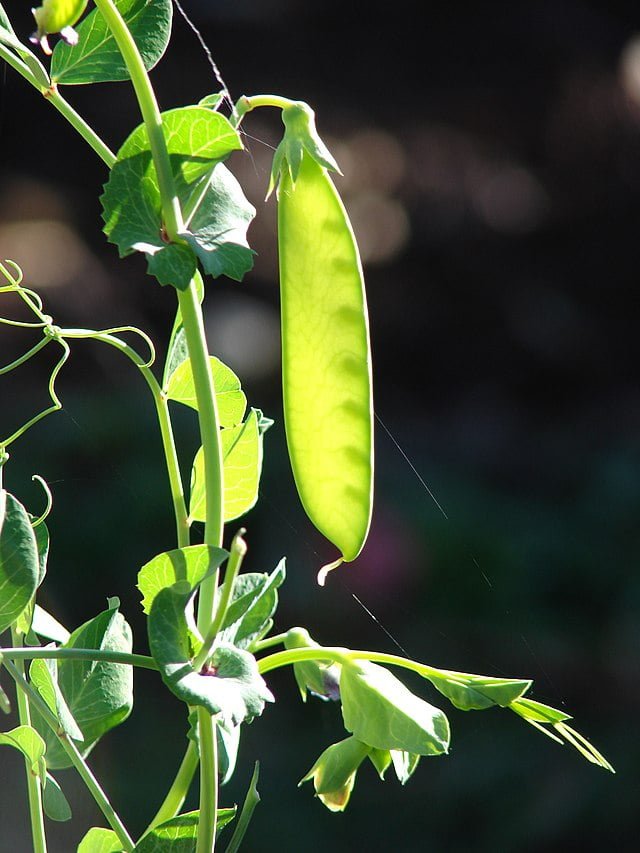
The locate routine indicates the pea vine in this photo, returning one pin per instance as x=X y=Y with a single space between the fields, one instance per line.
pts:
x=169 y=195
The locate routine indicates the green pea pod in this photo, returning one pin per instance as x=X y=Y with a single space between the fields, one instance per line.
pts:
x=57 y=16
x=326 y=367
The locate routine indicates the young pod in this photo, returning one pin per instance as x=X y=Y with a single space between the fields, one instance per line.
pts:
x=326 y=358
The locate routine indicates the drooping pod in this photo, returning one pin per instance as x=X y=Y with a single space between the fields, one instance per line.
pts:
x=57 y=16
x=326 y=357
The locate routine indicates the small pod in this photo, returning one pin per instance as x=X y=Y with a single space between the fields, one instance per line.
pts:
x=326 y=367
x=57 y=16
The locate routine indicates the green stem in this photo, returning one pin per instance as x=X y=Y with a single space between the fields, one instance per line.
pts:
x=164 y=422
x=208 y=782
x=237 y=553
x=74 y=755
x=245 y=104
x=36 y=652
x=34 y=783
x=172 y=215
x=178 y=791
x=52 y=95
x=193 y=325
x=268 y=643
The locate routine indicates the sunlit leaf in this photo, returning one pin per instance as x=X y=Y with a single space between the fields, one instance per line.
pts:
x=191 y=564
x=27 y=741
x=96 y=57
x=19 y=563
x=99 y=840
x=254 y=601
x=230 y=399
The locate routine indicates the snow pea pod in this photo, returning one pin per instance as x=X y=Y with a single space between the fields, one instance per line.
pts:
x=326 y=357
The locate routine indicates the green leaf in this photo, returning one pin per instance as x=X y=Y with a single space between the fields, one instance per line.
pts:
x=300 y=136
x=478 y=692
x=230 y=687
x=191 y=564
x=99 y=695
x=254 y=600
x=45 y=625
x=96 y=58
x=44 y=677
x=380 y=711
x=242 y=455
x=99 y=840
x=231 y=400
x=197 y=140
x=538 y=712
x=5 y=704
x=170 y=263
x=179 y=834
x=27 y=741
x=217 y=231
x=404 y=764
x=56 y=805
x=19 y=566
x=248 y=807
x=177 y=351
x=381 y=759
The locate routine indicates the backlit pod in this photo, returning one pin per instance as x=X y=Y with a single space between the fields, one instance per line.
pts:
x=57 y=16
x=325 y=345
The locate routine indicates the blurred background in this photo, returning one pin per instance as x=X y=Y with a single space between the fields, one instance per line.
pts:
x=491 y=159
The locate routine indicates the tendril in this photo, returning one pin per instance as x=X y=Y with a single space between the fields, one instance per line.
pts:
x=48 y=495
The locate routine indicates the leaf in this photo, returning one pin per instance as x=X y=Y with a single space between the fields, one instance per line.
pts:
x=27 y=741
x=96 y=57
x=404 y=764
x=179 y=834
x=5 y=704
x=248 y=807
x=56 y=805
x=242 y=455
x=335 y=770
x=19 y=566
x=99 y=695
x=197 y=140
x=253 y=602
x=230 y=688
x=45 y=625
x=44 y=677
x=191 y=564
x=177 y=350
x=380 y=711
x=217 y=231
x=231 y=400
x=479 y=693
x=99 y=840
x=538 y=712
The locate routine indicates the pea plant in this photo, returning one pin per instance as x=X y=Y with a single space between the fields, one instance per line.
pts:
x=169 y=195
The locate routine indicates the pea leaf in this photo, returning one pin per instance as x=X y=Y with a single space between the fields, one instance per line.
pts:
x=19 y=565
x=56 y=805
x=99 y=695
x=27 y=741
x=99 y=840
x=242 y=455
x=231 y=687
x=380 y=711
x=96 y=58
x=217 y=231
x=191 y=564
x=197 y=140
x=231 y=400
x=253 y=603
x=45 y=625
x=476 y=693
x=44 y=677
x=177 y=351
x=179 y=834
x=538 y=712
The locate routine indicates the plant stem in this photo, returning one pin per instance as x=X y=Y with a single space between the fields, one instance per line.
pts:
x=74 y=755
x=164 y=422
x=268 y=643
x=150 y=114
x=35 y=652
x=52 y=95
x=237 y=552
x=34 y=783
x=208 y=782
x=246 y=104
x=178 y=791
x=193 y=325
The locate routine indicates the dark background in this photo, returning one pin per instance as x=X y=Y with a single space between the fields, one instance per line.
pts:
x=492 y=170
